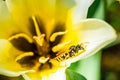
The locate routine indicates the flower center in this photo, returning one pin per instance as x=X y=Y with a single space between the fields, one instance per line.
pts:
x=43 y=54
x=37 y=51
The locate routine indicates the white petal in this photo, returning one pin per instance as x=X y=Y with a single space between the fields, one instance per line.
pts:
x=7 y=26
x=81 y=9
x=97 y=32
x=57 y=75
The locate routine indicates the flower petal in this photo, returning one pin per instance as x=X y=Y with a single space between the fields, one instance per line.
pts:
x=56 y=75
x=21 y=15
x=48 y=12
x=80 y=10
x=8 y=65
x=7 y=26
x=97 y=33
x=23 y=10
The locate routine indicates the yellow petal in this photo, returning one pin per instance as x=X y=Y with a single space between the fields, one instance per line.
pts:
x=7 y=26
x=23 y=10
x=97 y=33
x=62 y=8
x=8 y=65
x=69 y=39
x=47 y=11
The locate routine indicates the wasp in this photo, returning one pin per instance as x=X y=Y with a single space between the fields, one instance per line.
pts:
x=71 y=52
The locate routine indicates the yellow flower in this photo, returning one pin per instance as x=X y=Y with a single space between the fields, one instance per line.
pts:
x=39 y=39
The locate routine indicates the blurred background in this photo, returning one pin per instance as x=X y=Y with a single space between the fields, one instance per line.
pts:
x=110 y=65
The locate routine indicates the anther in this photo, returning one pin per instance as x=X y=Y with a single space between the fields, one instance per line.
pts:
x=54 y=35
x=43 y=59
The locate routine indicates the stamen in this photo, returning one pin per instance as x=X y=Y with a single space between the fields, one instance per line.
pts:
x=59 y=46
x=54 y=35
x=36 y=26
x=43 y=59
x=39 y=39
x=21 y=35
x=24 y=55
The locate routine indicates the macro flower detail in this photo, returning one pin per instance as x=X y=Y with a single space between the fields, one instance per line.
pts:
x=39 y=39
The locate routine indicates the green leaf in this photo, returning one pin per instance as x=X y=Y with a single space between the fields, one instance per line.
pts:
x=93 y=8
x=97 y=9
x=72 y=75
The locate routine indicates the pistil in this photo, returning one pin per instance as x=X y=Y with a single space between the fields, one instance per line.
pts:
x=36 y=26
